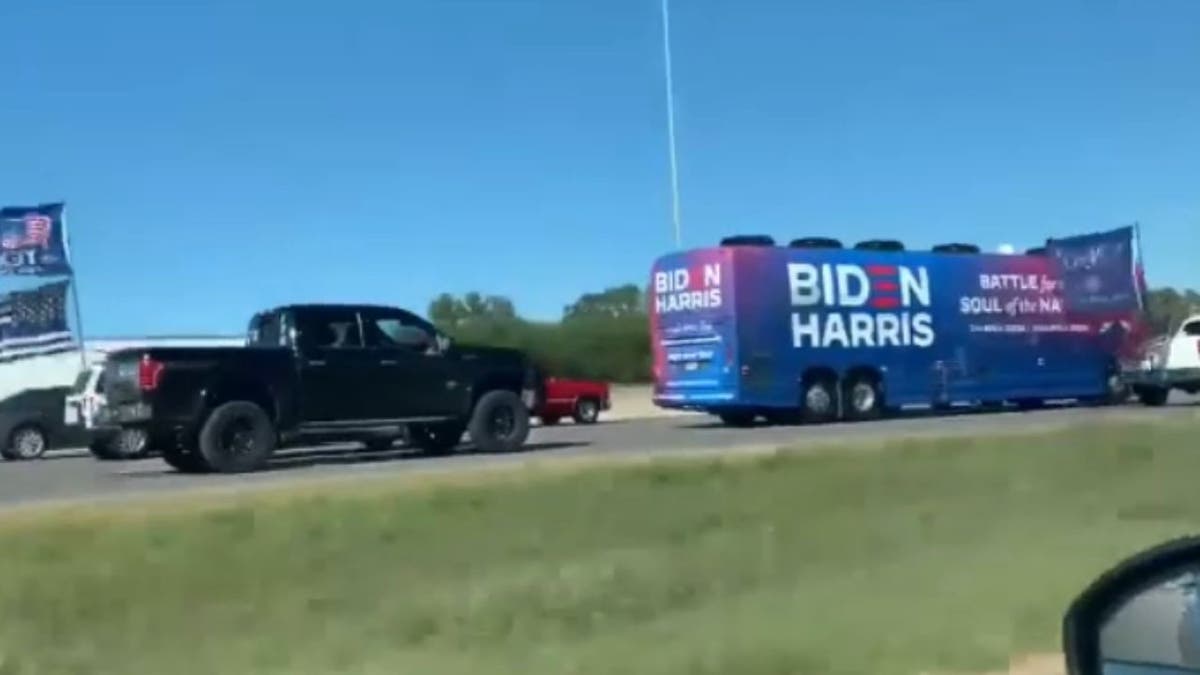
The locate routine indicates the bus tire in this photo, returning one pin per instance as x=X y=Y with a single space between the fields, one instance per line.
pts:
x=740 y=419
x=863 y=398
x=818 y=401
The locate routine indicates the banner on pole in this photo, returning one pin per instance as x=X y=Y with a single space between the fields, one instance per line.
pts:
x=34 y=322
x=33 y=241
x=1099 y=270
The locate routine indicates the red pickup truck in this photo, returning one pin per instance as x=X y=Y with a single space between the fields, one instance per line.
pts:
x=581 y=400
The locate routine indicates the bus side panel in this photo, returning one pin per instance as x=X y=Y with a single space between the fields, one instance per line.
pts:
x=938 y=328
x=1019 y=335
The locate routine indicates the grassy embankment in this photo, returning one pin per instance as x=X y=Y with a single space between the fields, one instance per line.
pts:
x=933 y=556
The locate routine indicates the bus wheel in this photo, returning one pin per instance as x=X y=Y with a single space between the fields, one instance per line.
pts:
x=737 y=419
x=864 y=400
x=820 y=400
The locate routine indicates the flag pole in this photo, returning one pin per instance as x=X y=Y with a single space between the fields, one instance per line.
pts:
x=72 y=280
x=1140 y=267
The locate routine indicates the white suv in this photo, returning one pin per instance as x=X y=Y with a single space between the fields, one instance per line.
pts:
x=1169 y=363
x=84 y=408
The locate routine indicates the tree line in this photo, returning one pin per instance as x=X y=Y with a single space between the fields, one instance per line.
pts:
x=605 y=335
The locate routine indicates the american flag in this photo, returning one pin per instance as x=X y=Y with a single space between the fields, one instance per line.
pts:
x=37 y=230
x=34 y=322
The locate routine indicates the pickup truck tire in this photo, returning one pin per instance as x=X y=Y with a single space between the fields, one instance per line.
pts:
x=237 y=437
x=499 y=423
x=185 y=460
x=587 y=411
x=1153 y=396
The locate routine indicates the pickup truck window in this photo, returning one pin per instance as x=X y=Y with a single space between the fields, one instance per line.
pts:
x=1192 y=329
x=328 y=329
x=397 y=331
x=265 y=330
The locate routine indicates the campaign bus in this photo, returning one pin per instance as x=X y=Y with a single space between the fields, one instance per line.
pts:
x=813 y=331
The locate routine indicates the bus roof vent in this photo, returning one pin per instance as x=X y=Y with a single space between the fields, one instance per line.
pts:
x=880 y=245
x=815 y=242
x=748 y=240
x=956 y=248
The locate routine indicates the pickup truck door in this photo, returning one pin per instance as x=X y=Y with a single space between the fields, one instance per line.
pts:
x=335 y=370
x=1185 y=347
x=414 y=377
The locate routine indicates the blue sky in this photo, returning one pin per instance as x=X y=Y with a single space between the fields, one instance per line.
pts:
x=219 y=157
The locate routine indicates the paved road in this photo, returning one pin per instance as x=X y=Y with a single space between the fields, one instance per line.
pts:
x=75 y=476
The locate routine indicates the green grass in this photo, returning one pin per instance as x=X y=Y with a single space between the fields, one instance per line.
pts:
x=946 y=555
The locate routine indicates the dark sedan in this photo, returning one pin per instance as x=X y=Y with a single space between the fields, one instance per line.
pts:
x=31 y=422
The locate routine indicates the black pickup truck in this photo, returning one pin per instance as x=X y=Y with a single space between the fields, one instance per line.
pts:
x=321 y=373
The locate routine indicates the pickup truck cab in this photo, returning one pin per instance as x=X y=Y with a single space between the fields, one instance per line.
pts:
x=321 y=373
x=581 y=400
x=1168 y=363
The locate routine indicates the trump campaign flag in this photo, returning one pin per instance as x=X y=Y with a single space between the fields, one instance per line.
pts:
x=33 y=241
x=34 y=322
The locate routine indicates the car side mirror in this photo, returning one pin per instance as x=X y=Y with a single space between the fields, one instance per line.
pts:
x=1141 y=617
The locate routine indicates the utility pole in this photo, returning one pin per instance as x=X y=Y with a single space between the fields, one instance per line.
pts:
x=670 y=86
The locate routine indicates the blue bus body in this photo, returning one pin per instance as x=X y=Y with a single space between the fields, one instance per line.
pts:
x=740 y=327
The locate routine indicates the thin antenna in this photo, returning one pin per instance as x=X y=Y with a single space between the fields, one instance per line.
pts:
x=670 y=86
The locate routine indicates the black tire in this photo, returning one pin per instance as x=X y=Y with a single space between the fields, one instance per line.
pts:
x=499 y=423
x=739 y=419
x=126 y=444
x=862 y=398
x=818 y=400
x=1028 y=404
x=101 y=450
x=237 y=437
x=436 y=439
x=1116 y=391
x=185 y=460
x=587 y=411
x=551 y=420
x=25 y=442
x=1153 y=396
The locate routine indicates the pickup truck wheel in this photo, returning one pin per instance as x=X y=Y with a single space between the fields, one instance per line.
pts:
x=25 y=442
x=499 y=423
x=237 y=437
x=436 y=439
x=185 y=460
x=1153 y=396
x=587 y=411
